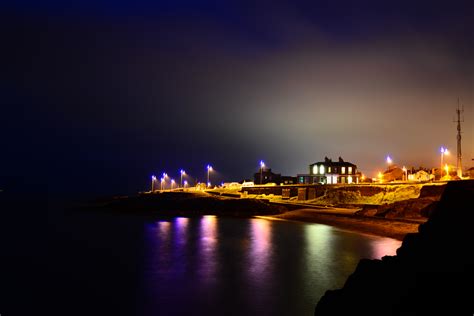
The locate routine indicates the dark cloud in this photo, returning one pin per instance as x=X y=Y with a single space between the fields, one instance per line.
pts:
x=123 y=93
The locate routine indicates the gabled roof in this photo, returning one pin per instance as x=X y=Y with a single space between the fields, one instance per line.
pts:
x=329 y=162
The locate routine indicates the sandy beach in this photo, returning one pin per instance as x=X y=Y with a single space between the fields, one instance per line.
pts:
x=396 y=229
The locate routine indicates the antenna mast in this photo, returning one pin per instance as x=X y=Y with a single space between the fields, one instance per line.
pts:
x=459 y=154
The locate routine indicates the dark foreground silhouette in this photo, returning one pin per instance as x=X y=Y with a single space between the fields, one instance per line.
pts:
x=432 y=273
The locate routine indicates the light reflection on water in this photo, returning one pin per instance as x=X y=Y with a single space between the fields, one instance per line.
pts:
x=383 y=247
x=260 y=251
x=212 y=265
x=207 y=248
x=318 y=252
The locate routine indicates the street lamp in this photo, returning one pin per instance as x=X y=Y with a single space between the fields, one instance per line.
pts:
x=153 y=179
x=172 y=183
x=262 y=165
x=162 y=181
x=209 y=169
x=444 y=151
x=185 y=183
x=389 y=161
x=183 y=173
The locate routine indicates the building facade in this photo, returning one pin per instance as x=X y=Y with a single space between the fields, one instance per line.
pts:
x=330 y=172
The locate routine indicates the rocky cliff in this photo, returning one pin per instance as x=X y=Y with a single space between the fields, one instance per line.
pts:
x=432 y=273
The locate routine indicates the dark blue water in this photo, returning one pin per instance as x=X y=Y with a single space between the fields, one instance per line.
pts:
x=125 y=265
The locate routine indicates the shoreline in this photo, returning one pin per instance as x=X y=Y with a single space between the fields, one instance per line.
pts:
x=374 y=226
x=199 y=204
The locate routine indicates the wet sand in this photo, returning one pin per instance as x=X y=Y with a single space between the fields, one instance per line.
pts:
x=396 y=229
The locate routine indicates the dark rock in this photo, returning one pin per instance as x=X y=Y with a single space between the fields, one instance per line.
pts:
x=188 y=204
x=432 y=273
x=432 y=191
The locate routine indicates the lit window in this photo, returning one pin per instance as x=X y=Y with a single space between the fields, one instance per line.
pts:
x=315 y=169
x=343 y=170
x=349 y=179
x=334 y=179
x=321 y=169
x=329 y=169
x=349 y=170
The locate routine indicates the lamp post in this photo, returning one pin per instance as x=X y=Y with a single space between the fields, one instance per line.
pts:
x=262 y=165
x=444 y=151
x=153 y=179
x=185 y=183
x=162 y=181
x=172 y=184
x=405 y=173
x=209 y=169
x=182 y=172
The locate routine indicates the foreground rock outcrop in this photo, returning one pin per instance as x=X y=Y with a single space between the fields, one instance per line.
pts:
x=432 y=273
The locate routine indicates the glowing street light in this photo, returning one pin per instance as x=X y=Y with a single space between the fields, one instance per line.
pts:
x=162 y=181
x=182 y=173
x=153 y=179
x=389 y=161
x=444 y=151
x=262 y=165
x=209 y=169
x=172 y=184
x=185 y=183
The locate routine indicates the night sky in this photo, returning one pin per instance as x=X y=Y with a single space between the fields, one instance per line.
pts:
x=99 y=95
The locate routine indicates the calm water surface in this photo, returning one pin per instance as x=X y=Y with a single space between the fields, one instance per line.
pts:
x=124 y=265
x=214 y=265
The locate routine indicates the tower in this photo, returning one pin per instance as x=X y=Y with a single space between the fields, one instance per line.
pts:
x=459 y=154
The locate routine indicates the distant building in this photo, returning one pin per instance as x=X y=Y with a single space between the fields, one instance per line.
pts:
x=330 y=172
x=393 y=173
x=267 y=176
x=470 y=172
x=288 y=180
x=420 y=175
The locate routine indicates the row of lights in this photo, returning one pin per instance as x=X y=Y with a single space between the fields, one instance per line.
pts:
x=444 y=151
x=183 y=183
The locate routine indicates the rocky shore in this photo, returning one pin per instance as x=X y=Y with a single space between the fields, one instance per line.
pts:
x=432 y=272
